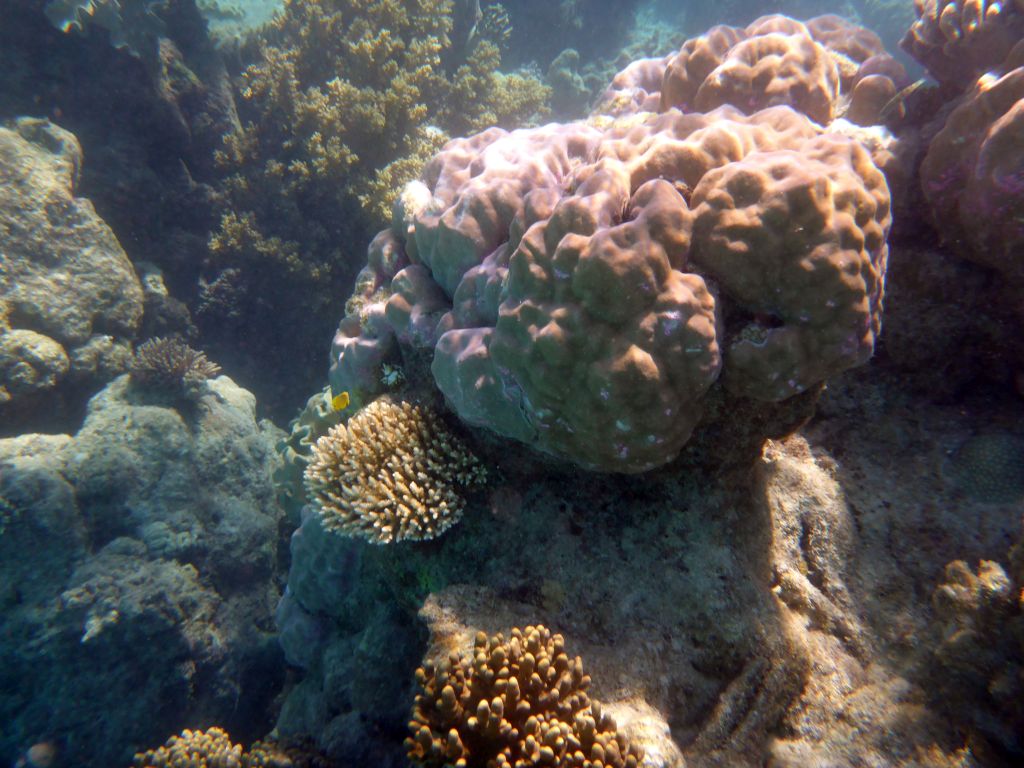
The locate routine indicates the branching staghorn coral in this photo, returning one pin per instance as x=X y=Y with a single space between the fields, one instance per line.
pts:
x=392 y=473
x=517 y=703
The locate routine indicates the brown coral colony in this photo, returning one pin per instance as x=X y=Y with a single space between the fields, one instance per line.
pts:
x=511 y=704
x=171 y=365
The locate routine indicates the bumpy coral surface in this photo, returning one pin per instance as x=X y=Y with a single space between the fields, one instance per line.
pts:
x=394 y=472
x=516 y=703
x=212 y=748
x=813 y=67
x=557 y=279
x=973 y=173
x=958 y=40
x=800 y=238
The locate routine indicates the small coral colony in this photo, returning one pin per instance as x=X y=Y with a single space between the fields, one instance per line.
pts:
x=650 y=286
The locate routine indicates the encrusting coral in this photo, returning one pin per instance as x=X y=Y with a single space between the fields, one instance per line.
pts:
x=393 y=473
x=511 y=704
x=170 y=365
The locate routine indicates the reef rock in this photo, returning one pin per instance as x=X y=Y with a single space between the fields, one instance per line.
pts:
x=138 y=571
x=67 y=289
x=773 y=616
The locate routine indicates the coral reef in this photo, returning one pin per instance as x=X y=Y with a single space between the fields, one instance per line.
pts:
x=393 y=472
x=779 y=623
x=170 y=366
x=66 y=320
x=143 y=582
x=509 y=703
x=554 y=278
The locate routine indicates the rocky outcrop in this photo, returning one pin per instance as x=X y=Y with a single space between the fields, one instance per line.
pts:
x=138 y=565
x=70 y=301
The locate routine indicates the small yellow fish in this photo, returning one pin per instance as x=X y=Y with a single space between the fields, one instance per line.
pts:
x=340 y=402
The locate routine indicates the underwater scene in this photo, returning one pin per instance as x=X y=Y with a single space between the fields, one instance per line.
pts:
x=511 y=384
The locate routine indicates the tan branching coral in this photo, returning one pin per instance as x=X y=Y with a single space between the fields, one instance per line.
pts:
x=193 y=749
x=516 y=702
x=345 y=100
x=170 y=365
x=394 y=472
x=213 y=749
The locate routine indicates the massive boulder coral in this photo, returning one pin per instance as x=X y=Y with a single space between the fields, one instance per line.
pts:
x=513 y=702
x=973 y=173
x=70 y=301
x=583 y=289
x=958 y=40
x=791 y=236
x=815 y=68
